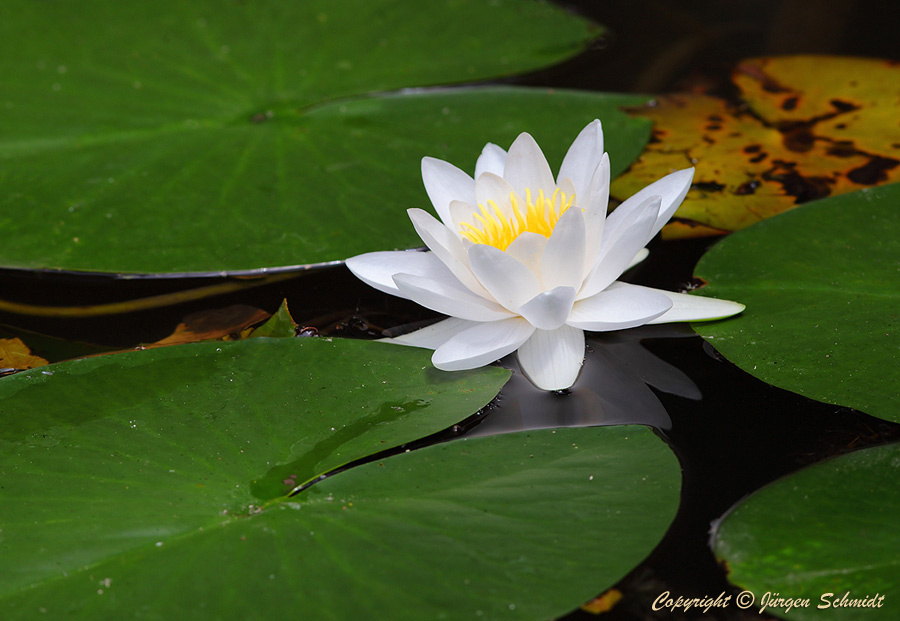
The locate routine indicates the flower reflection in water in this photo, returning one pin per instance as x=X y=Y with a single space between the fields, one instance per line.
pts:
x=614 y=388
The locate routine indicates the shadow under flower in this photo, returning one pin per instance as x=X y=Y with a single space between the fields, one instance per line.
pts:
x=614 y=388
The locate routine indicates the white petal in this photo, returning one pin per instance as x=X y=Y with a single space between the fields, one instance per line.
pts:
x=567 y=187
x=492 y=159
x=697 y=308
x=583 y=157
x=461 y=212
x=595 y=205
x=447 y=247
x=448 y=296
x=618 y=307
x=671 y=189
x=642 y=254
x=527 y=249
x=508 y=281
x=550 y=309
x=618 y=248
x=482 y=344
x=491 y=187
x=526 y=167
x=552 y=359
x=444 y=183
x=563 y=262
x=377 y=269
x=433 y=336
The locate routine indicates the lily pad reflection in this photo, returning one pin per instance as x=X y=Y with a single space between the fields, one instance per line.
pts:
x=612 y=389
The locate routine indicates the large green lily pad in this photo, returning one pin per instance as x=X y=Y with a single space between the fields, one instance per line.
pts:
x=105 y=455
x=238 y=135
x=156 y=484
x=827 y=534
x=822 y=289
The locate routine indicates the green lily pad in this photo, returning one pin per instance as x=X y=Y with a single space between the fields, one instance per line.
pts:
x=827 y=534
x=102 y=456
x=822 y=289
x=233 y=136
x=520 y=525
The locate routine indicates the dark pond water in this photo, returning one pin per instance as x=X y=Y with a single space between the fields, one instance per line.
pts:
x=731 y=432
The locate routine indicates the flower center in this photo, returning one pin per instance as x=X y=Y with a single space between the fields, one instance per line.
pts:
x=497 y=230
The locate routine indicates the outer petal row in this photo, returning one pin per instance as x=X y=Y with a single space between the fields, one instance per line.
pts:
x=433 y=336
x=447 y=296
x=377 y=269
x=481 y=344
x=620 y=306
x=696 y=308
x=552 y=359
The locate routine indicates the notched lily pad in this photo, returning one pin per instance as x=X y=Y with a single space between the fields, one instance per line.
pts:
x=822 y=289
x=806 y=127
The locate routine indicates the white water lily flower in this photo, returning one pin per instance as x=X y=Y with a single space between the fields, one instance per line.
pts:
x=523 y=263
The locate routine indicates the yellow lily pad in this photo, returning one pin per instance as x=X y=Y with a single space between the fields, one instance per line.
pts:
x=805 y=127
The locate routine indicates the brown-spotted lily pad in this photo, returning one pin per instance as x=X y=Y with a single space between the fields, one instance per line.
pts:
x=805 y=127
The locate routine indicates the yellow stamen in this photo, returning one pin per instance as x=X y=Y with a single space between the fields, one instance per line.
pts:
x=497 y=230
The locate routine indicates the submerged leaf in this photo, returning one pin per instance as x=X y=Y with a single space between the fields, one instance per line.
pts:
x=807 y=127
x=225 y=324
x=14 y=354
x=281 y=324
x=604 y=603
